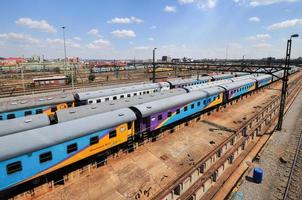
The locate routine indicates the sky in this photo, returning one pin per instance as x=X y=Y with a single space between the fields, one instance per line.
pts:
x=130 y=29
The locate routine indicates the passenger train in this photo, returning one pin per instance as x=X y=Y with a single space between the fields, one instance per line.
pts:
x=14 y=109
x=29 y=155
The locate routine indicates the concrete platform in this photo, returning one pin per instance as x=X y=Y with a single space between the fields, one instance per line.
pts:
x=154 y=166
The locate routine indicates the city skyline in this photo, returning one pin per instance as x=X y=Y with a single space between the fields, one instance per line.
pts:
x=131 y=29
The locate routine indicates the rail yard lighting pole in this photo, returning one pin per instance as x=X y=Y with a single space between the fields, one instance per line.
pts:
x=65 y=59
x=153 y=71
x=284 y=81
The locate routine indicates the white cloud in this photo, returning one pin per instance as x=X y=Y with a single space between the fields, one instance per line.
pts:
x=254 y=19
x=94 y=32
x=185 y=1
x=123 y=33
x=170 y=9
x=255 y=3
x=153 y=27
x=150 y=38
x=285 y=24
x=207 y=4
x=77 y=38
x=34 y=24
x=262 y=46
x=126 y=20
x=142 y=48
x=99 y=44
x=56 y=42
x=18 y=37
x=261 y=37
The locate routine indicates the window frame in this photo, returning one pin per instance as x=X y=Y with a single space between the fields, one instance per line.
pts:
x=48 y=157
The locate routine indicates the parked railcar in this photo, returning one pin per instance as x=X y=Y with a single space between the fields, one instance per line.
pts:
x=155 y=115
x=187 y=82
x=222 y=76
x=238 y=88
x=263 y=80
x=32 y=106
x=41 y=151
x=83 y=98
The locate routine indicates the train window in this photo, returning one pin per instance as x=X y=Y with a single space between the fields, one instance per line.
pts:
x=144 y=92
x=148 y=92
x=72 y=147
x=128 y=95
x=134 y=94
x=214 y=98
x=28 y=112
x=192 y=106
x=94 y=140
x=90 y=102
x=98 y=101
x=39 y=111
x=204 y=102
x=1 y=118
x=53 y=109
x=129 y=124
x=112 y=134
x=159 y=117
x=198 y=103
x=115 y=98
x=122 y=96
x=13 y=167
x=107 y=99
x=11 y=116
x=169 y=114
x=177 y=111
x=185 y=108
x=44 y=157
x=140 y=93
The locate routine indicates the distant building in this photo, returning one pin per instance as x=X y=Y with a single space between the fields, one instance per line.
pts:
x=166 y=59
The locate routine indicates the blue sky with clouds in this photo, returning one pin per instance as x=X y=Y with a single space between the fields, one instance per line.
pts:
x=131 y=28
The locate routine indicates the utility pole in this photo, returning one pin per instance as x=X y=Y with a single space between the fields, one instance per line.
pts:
x=65 y=60
x=284 y=82
x=153 y=71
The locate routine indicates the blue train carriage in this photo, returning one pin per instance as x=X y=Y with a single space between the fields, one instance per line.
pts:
x=32 y=106
x=263 y=80
x=238 y=88
x=158 y=114
x=222 y=76
x=28 y=155
x=180 y=83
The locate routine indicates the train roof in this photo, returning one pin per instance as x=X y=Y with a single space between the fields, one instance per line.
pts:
x=157 y=106
x=188 y=80
x=213 y=90
x=208 y=84
x=262 y=77
x=15 y=104
x=237 y=84
x=23 y=124
x=80 y=96
x=222 y=76
x=86 y=110
x=32 y=140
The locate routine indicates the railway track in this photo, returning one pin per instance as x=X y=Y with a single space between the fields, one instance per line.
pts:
x=293 y=189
